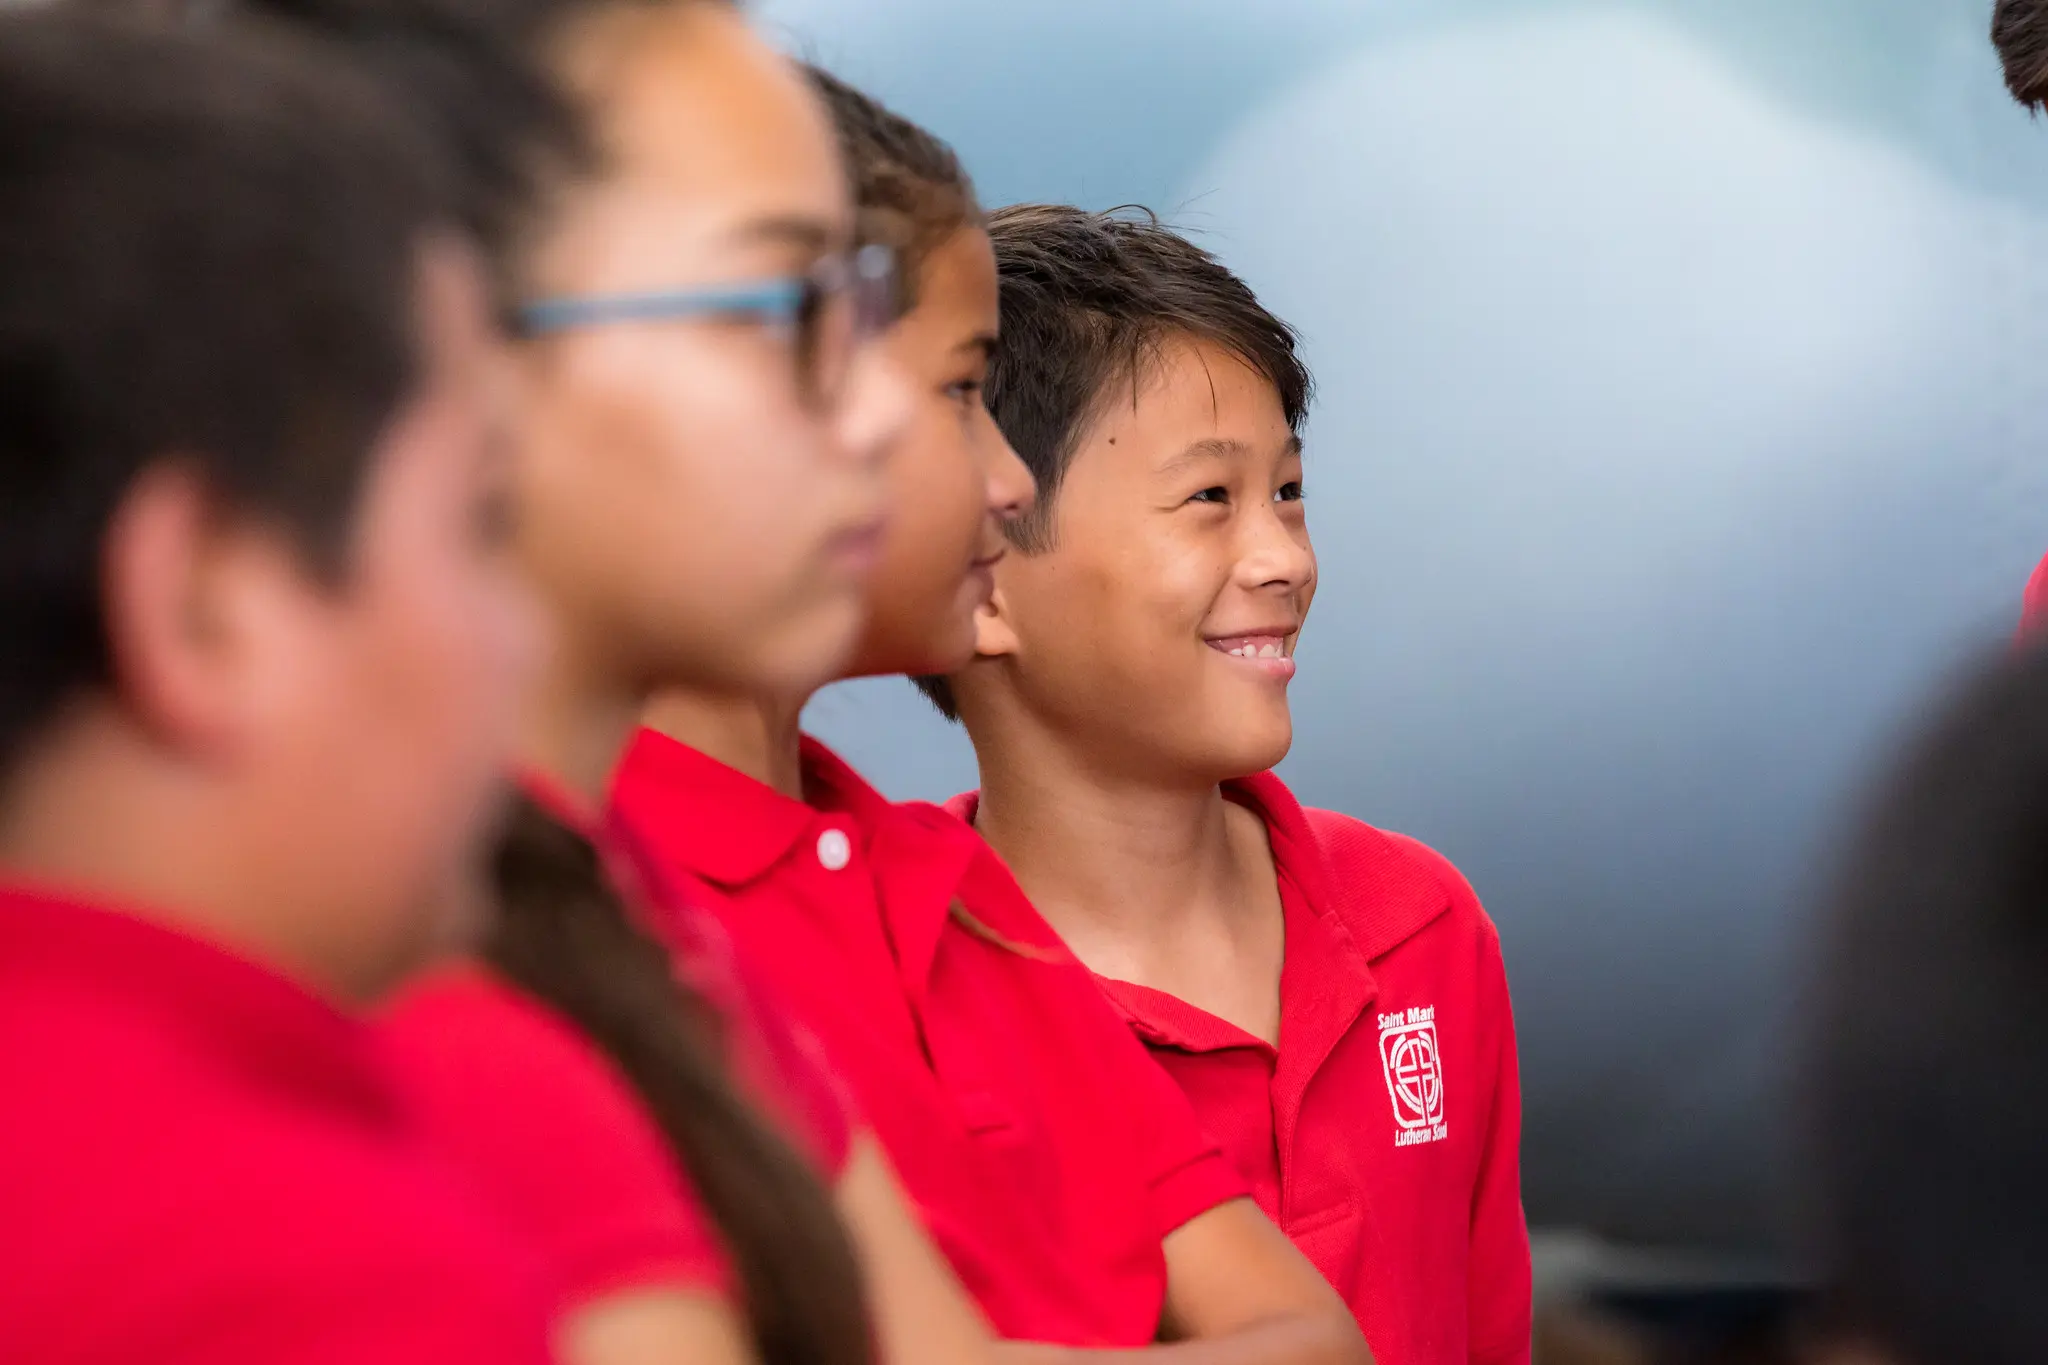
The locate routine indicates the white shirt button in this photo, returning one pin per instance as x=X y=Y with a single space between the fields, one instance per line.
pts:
x=835 y=850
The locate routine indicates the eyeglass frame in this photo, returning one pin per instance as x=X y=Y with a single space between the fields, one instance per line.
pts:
x=870 y=276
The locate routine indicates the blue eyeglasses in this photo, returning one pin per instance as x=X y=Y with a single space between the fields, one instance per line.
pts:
x=867 y=280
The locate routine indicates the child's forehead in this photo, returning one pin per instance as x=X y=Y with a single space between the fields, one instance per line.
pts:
x=1185 y=397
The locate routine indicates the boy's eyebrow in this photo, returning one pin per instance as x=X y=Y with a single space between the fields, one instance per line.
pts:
x=984 y=342
x=1218 y=448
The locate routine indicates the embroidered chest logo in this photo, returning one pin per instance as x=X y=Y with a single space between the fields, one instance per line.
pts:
x=1415 y=1075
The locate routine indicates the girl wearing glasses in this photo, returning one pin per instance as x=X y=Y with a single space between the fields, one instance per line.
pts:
x=698 y=471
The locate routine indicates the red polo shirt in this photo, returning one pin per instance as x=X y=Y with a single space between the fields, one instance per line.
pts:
x=204 y=1164
x=1384 y=1134
x=555 y=1136
x=1044 y=1151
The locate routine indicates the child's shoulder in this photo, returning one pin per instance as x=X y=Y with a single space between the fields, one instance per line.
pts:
x=1389 y=887
x=1352 y=845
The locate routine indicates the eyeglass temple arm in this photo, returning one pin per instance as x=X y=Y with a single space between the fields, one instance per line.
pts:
x=776 y=300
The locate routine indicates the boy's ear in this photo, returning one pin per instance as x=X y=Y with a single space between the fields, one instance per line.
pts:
x=993 y=636
x=174 y=571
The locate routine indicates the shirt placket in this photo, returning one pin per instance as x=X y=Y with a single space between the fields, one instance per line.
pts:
x=837 y=876
x=1334 y=990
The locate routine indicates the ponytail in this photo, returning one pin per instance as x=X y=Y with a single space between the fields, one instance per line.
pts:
x=564 y=935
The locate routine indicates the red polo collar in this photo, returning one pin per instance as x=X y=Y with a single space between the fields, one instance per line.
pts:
x=717 y=824
x=1383 y=898
x=728 y=828
x=1336 y=926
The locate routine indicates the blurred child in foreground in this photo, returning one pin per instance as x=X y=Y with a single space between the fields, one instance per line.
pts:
x=1926 y=1067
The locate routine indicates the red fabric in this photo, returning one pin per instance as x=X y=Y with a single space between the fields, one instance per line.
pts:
x=2034 y=605
x=1411 y=1207
x=554 y=1135
x=775 y=1056
x=1046 y=1154
x=203 y=1164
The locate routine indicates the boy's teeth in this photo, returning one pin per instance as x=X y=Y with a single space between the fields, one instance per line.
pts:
x=1270 y=652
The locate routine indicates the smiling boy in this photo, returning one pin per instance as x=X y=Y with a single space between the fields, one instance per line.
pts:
x=1330 y=996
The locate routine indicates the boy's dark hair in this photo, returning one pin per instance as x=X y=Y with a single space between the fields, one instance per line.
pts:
x=1088 y=301
x=1927 y=1065
x=176 y=283
x=910 y=187
x=470 y=72
x=2019 y=30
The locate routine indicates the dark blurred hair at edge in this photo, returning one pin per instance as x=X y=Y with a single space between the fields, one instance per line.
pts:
x=1089 y=302
x=2019 y=30
x=165 y=296
x=910 y=187
x=476 y=74
x=461 y=68
x=1924 y=1078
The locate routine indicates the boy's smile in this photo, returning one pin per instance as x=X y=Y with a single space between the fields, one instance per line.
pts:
x=1159 y=627
x=1271 y=651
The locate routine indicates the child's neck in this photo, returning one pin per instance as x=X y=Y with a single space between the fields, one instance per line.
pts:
x=1169 y=885
x=103 y=812
x=759 y=736
x=577 y=725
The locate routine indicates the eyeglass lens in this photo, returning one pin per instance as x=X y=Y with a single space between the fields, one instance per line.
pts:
x=846 y=302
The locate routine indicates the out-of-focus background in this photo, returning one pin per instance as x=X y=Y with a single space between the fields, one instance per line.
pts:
x=1682 y=420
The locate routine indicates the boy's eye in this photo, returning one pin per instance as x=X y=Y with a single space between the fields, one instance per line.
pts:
x=1290 y=492
x=964 y=390
x=1218 y=494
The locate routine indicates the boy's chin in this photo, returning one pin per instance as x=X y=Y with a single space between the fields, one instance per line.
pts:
x=1246 y=746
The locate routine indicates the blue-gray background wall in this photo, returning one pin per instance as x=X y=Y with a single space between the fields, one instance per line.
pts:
x=1682 y=422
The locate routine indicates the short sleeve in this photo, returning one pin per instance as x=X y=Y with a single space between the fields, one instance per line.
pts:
x=552 y=1138
x=1185 y=1168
